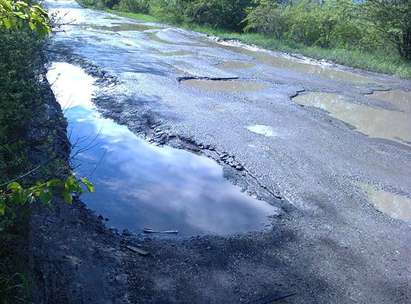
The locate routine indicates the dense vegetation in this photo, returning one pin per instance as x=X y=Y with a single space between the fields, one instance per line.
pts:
x=20 y=53
x=374 y=34
x=23 y=180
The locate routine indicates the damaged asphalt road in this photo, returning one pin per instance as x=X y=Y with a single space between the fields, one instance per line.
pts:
x=235 y=104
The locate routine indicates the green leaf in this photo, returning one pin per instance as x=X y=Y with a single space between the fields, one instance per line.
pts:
x=88 y=184
x=32 y=26
x=54 y=183
x=46 y=196
x=14 y=186
x=68 y=198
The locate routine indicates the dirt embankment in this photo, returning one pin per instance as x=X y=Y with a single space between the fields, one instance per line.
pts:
x=73 y=257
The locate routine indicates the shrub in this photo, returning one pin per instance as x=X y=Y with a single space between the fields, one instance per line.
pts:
x=134 y=6
x=392 y=18
x=224 y=14
x=267 y=18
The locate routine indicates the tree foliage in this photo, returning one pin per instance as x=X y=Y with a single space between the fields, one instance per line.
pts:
x=392 y=18
x=13 y=195
x=22 y=27
x=15 y=14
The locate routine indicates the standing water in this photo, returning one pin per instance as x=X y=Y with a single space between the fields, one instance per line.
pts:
x=140 y=185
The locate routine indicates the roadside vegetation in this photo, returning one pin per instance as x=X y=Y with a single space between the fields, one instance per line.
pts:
x=369 y=34
x=23 y=180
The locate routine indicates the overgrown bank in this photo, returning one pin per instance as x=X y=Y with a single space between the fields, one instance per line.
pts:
x=34 y=150
x=340 y=31
x=28 y=150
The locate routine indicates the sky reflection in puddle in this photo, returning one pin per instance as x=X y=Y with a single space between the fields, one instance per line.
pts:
x=141 y=185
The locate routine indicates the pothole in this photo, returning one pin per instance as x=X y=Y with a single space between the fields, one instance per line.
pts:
x=300 y=65
x=400 y=99
x=229 y=86
x=373 y=121
x=175 y=53
x=233 y=65
x=394 y=205
x=140 y=185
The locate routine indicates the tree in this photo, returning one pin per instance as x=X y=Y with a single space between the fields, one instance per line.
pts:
x=393 y=19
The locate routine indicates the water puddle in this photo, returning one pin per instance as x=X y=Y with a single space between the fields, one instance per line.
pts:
x=400 y=99
x=291 y=63
x=394 y=205
x=230 y=86
x=262 y=130
x=119 y=27
x=373 y=121
x=233 y=65
x=81 y=90
x=308 y=68
x=175 y=53
x=141 y=185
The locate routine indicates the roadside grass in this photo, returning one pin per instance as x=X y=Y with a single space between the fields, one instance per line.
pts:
x=388 y=62
x=137 y=16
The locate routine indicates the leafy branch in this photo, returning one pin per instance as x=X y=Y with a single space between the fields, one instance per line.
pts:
x=14 y=194
x=15 y=14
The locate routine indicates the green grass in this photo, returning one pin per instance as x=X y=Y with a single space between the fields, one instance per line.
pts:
x=137 y=16
x=388 y=63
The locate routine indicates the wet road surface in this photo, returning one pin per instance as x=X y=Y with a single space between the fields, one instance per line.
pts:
x=332 y=142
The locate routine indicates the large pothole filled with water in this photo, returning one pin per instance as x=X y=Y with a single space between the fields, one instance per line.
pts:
x=301 y=65
x=374 y=121
x=140 y=185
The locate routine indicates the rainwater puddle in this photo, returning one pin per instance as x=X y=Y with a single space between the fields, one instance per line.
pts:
x=175 y=53
x=398 y=98
x=308 y=68
x=375 y=122
x=394 y=205
x=229 y=86
x=262 y=130
x=140 y=185
x=286 y=62
x=233 y=65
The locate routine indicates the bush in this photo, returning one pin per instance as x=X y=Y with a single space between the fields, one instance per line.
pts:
x=169 y=10
x=226 y=14
x=267 y=18
x=332 y=24
x=392 y=18
x=134 y=6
